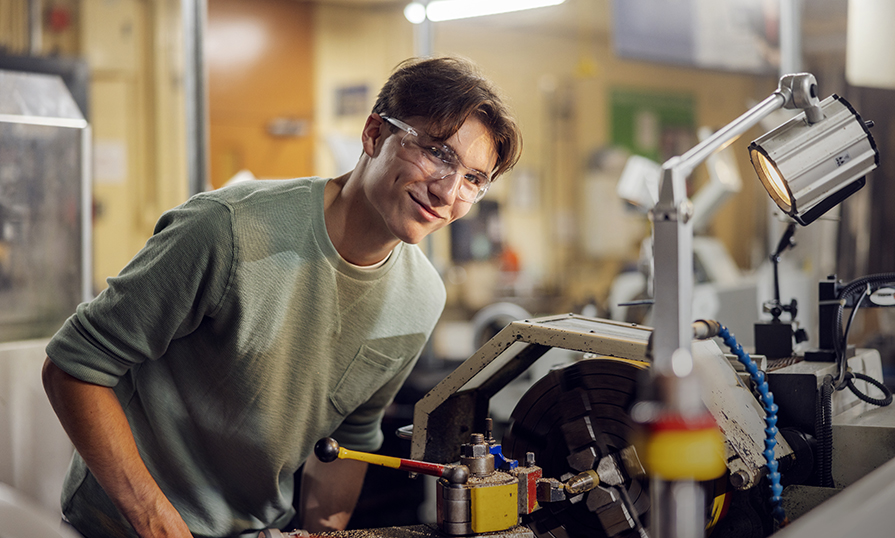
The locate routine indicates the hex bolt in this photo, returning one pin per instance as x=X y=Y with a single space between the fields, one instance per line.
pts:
x=740 y=479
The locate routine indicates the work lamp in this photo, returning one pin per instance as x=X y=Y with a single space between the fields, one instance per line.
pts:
x=808 y=165
x=808 y=168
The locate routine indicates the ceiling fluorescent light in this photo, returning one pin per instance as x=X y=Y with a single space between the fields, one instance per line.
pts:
x=415 y=12
x=446 y=10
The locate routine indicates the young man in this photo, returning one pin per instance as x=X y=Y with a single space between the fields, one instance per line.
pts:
x=264 y=316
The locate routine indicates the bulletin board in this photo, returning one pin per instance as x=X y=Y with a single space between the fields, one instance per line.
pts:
x=655 y=125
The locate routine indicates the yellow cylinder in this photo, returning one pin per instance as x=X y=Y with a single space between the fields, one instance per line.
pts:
x=680 y=454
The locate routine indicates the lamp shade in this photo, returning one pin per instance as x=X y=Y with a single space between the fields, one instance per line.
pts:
x=808 y=168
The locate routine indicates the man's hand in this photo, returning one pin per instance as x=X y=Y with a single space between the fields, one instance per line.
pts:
x=329 y=492
x=94 y=420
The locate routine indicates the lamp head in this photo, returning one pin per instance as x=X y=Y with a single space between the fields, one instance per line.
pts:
x=808 y=165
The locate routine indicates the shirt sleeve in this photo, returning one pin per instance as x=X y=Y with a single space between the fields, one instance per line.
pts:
x=179 y=277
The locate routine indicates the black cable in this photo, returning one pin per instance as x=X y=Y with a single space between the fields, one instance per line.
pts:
x=825 y=441
x=823 y=426
x=851 y=318
x=887 y=394
x=819 y=433
x=843 y=347
x=840 y=344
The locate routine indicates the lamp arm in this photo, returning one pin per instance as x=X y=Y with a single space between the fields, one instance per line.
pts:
x=796 y=91
x=673 y=233
x=730 y=132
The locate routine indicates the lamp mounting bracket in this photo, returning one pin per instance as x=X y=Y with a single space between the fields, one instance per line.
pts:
x=799 y=91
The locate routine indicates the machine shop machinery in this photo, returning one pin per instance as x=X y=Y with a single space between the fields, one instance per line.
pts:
x=578 y=415
x=571 y=444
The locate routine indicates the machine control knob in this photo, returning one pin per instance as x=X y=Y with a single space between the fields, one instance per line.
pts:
x=327 y=449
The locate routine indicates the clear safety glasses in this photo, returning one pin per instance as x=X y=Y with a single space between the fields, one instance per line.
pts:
x=440 y=161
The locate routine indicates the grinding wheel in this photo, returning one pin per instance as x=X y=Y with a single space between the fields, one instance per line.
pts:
x=548 y=418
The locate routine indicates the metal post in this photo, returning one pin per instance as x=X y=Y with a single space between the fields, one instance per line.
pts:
x=35 y=27
x=790 y=62
x=86 y=213
x=195 y=83
x=424 y=39
x=790 y=36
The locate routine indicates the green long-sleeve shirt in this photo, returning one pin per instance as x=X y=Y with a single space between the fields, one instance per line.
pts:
x=235 y=340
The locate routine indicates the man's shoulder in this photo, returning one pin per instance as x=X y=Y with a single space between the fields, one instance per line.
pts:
x=261 y=190
x=414 y=256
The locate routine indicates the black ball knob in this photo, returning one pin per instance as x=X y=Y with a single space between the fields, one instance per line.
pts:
x=327 y=449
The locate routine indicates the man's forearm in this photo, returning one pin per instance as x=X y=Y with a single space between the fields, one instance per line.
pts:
x=329 y=493
x=94 y=420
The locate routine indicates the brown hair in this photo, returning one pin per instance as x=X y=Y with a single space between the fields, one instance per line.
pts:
x=446 y=92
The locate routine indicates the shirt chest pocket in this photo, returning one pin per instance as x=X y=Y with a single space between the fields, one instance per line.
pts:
x=368 y=371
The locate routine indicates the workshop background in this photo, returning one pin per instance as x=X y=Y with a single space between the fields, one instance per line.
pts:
x=289 y=84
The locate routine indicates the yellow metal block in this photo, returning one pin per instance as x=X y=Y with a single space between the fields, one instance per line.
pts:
x=494 y=508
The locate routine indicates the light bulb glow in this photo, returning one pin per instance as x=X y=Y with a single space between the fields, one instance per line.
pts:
x=446 y=10
x=415 y=12
x=772 y=180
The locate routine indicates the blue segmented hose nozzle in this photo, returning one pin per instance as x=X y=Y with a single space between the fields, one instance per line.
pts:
x=770 y=408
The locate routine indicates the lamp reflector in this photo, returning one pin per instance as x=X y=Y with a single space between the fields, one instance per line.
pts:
x=803 y=164
x=771 y=179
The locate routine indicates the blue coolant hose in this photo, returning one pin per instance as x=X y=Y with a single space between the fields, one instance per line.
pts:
x=704 y=329
x=770 y=408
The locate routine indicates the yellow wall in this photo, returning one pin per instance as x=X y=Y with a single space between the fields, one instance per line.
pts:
x=134 y=50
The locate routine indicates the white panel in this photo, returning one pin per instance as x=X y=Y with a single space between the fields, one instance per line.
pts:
x=870 y=49
x=34 y=449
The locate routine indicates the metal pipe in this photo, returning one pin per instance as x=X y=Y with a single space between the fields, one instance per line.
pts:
x=195 y=82
x=35 y=27
x=424 y=39
x=790 y=36
x=87 y=213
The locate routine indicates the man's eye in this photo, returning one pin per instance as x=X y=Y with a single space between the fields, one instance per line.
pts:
x=475 y=179
x=436 y=152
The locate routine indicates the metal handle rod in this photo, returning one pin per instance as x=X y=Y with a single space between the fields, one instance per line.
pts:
x=328 y=449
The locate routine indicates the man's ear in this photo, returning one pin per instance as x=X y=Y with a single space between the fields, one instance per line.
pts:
x=372 y=133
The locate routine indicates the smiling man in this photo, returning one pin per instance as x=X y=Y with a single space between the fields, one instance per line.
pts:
x=264 y=316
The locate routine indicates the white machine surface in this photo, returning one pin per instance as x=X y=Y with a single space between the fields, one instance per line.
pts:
x=34 y=449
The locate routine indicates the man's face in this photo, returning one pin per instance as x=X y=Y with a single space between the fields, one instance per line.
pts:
x=411 y=202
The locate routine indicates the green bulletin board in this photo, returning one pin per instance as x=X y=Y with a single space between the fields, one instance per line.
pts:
x=652 y=124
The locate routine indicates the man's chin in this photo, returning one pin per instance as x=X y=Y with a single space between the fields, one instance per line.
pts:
x=414 y=237
x=413 y=240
